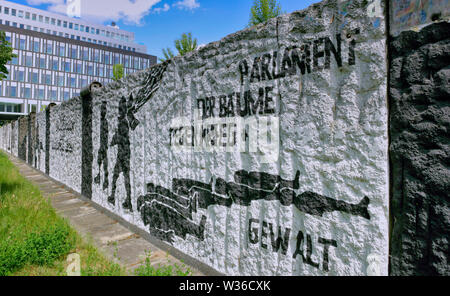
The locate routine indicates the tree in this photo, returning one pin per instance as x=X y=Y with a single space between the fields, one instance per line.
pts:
x=185 y=44
x=263 y=10
x=117 y=72
x=168 y=54
x=6 y=54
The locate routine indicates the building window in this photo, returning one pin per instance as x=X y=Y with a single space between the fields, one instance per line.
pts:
x=13 y=12
x=79 y=68
x=62 y=51
x=85 y=55
x=36 y=46
x=20 y=13
x=15 y=61
x=54 y=95
x=41 y=94
x=41 y=18
x=27 y=93
x=87 y=29
x=48 y=79
x=96 y=56
x=22 y=44
x=53 y=22
x=21 y=76
x=66 y=96
x=60 y=80
x=33 y=16
x=47 y=20
x=76 y=27
x=73 y=82
x=29 y=61
x=6 y=10
x=65 y=24
x=81 y=28
x=35 y=78
x=42 y=63
x=49 y=48
x=59 y=23
x=55 y=65
x=13 y=91
x=67 y=66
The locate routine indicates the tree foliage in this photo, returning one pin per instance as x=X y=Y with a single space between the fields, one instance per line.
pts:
x=168 y=54
x=6 y=54
x=263 y=10
x=185 y=44
x=117 y=72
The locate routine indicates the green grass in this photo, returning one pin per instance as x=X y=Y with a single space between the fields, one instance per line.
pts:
x=34 y=240
x=147 y=269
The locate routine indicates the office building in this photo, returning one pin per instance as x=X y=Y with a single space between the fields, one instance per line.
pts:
x=58 y=55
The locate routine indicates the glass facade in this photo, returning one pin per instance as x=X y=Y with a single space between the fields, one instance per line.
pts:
x=35 y=21
x=57 y=56
x=55 y=71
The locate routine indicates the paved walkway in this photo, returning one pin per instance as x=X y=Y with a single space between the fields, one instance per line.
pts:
x=112 y=237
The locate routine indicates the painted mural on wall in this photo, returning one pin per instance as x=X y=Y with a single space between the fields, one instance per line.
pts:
x=127 y=123
x=264 y=153
x=169 y=212
x=411 y=14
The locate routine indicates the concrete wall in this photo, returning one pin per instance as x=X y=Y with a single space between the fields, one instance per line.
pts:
x=265 y=153
x=420 y=151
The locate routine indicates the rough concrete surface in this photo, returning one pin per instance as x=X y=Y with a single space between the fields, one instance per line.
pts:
x=420 y=151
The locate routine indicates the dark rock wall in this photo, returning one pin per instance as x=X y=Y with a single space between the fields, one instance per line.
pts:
x=420 y=151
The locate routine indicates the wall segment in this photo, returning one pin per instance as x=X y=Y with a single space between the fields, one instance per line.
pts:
x=265 y=153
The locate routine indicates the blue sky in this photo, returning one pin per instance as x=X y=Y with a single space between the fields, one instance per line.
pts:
x=157 y=23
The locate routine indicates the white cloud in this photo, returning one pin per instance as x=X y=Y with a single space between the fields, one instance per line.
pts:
x=165 y=8
x=187 y=4
x=101 y=11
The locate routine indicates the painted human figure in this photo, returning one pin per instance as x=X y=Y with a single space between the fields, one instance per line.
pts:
x=102 y=157
x=121 y=138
